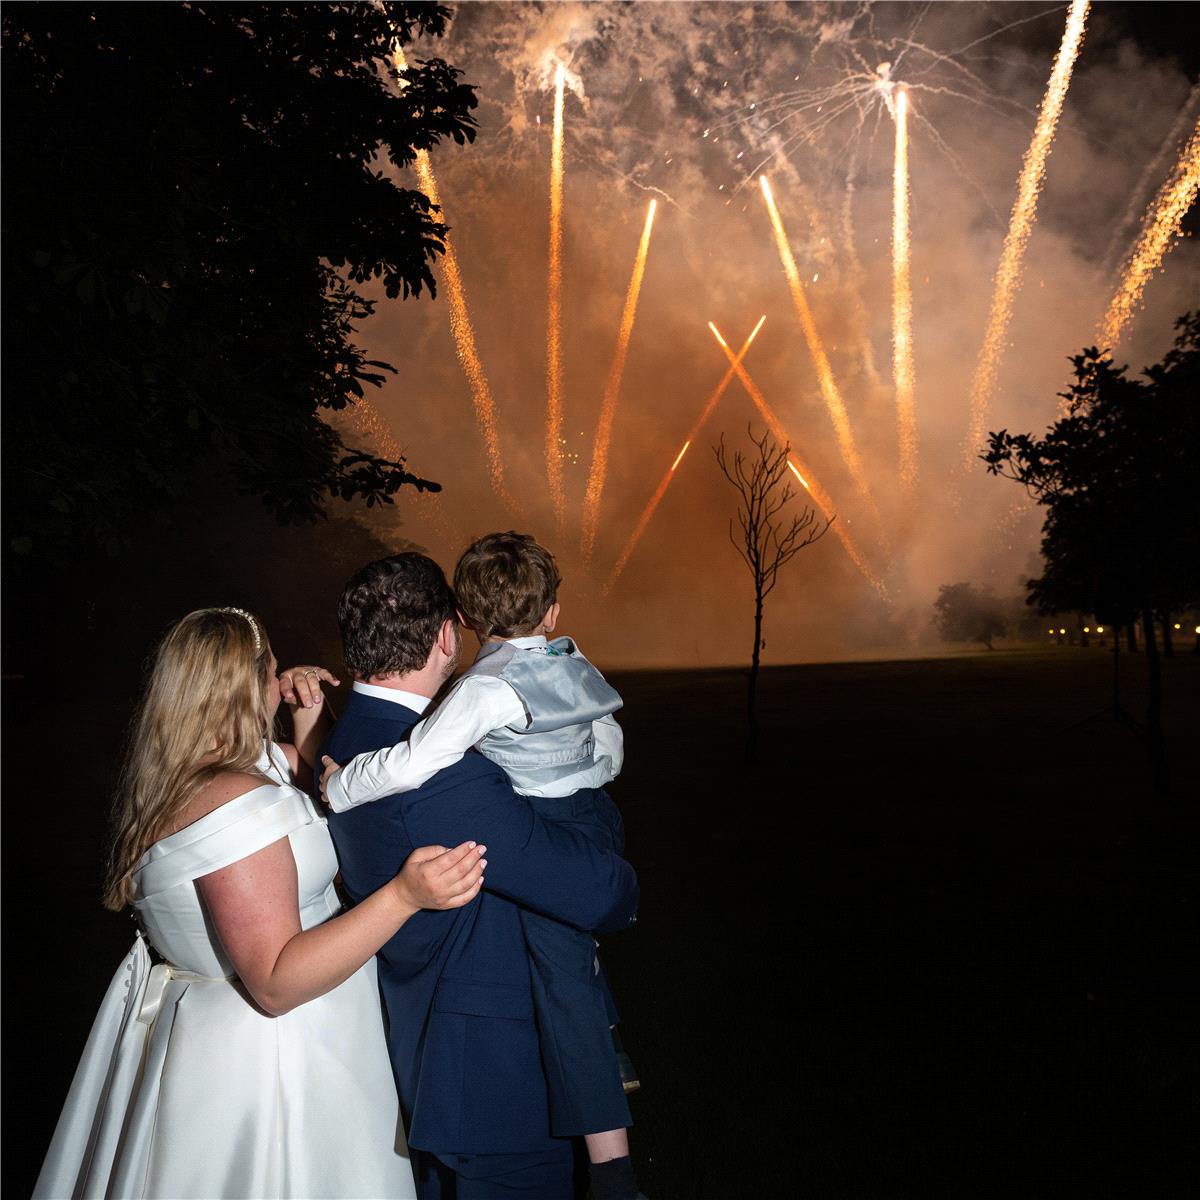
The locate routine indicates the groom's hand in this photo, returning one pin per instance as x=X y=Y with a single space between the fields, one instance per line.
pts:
x=301 y=686
x=328 y=766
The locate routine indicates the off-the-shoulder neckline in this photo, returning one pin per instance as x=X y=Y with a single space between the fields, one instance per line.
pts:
x=193 y=826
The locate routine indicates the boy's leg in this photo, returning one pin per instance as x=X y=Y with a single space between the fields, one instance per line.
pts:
x=583 y=1079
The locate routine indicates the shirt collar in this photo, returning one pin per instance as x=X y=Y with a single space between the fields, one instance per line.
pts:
x=536 y=642
x=409 y=699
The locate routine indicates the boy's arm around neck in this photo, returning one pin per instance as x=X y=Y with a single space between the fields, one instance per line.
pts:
x=539 y=864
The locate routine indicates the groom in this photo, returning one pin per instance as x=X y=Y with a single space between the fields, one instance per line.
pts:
x=456 y=984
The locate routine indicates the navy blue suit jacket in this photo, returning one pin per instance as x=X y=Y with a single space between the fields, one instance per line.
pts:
x=456 y=984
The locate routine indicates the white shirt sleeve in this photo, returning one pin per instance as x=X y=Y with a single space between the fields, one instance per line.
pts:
x=475 y=706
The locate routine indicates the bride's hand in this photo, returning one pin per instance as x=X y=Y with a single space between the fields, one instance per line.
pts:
x=301 y=686
x=434 y=877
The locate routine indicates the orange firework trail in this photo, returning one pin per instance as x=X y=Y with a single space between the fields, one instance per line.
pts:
x=820 y=497
x=829 y=388
x=612 y=389
x=665 y=481
x=903 y=370
x=463 y=331
x=1160 y=230
x=1024 y=213
x=554 y=308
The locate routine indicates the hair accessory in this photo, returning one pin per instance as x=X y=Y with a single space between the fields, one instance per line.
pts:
x=241 y=612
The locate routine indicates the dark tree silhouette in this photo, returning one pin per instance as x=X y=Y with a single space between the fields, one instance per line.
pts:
x=1117 y=479
x=766 y=543
x=193 y=195
x=964 y=613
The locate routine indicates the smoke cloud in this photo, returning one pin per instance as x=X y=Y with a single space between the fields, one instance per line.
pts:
x=689 y=103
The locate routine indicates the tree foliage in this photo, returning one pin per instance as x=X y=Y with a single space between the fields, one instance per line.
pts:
x=194 y=195
x=1117 y=479
x=964 y=613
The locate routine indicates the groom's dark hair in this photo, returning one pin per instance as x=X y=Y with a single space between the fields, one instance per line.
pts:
x=390 y=613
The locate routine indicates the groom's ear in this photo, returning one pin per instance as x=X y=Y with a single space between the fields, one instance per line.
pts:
x=447 y=638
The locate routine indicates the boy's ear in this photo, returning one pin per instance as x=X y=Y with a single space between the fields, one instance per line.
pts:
x=462 y=620
x=551 y=617
x=447 y=639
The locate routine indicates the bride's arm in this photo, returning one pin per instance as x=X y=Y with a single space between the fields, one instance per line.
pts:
x=254 y=905
x=300 y=690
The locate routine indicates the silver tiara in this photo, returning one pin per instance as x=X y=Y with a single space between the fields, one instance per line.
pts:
x=241 y=612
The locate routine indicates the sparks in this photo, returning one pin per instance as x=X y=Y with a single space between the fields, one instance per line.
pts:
x=1160 y=231
x=797 y=474
x=829 y=388
x=554 y=412
x=612 y=390
x=903 y=370
x=1024 y=213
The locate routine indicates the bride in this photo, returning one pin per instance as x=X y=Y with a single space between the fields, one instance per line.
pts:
x=251 y=1060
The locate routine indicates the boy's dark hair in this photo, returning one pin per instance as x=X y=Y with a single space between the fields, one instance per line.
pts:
x=505 y=582
x=390 y=613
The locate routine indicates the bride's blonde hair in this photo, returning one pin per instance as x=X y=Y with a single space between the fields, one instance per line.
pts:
x=204 y=711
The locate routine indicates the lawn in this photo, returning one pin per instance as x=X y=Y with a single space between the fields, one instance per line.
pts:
x=938 y=940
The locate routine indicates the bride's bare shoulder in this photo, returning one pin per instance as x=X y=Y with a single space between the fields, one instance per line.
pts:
x=223 y=787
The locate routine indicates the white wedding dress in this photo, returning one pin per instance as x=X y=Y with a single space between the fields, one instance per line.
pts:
x=185 y=1089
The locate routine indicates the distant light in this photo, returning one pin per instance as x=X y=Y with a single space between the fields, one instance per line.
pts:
x=1063 y=632
x=1198 y=628
x=1086 y=629
x=1050 y=632
x=1099 y=628
x=1176 y=624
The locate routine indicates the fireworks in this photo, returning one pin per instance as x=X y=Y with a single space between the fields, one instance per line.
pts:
x=1024 y=213
x=1160 y=229
x=554 y=308
x=903 y=372
x=665 y=481
x=463 y=331
x=820 y=497
x=612 y=389
x=829 y=389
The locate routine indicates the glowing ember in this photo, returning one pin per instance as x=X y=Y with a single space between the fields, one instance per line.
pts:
x=903 y=370
x=464 y=333
x=1160 y=230
x=612 y=389
x=554 y=308
x=829 y=388
x=1024 y=213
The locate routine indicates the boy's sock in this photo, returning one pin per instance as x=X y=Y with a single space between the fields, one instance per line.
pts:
x=614 y=1180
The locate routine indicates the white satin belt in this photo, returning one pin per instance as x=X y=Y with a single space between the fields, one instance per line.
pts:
x=156 y=985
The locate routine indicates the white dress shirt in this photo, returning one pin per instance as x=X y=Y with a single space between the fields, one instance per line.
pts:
x=474 y=707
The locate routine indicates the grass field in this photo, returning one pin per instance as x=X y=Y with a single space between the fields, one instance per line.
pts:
x=934 y=942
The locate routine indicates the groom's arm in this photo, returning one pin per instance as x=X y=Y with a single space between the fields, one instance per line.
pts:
x=539 y=864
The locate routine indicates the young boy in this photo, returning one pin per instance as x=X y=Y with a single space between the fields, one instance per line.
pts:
x=543 y=713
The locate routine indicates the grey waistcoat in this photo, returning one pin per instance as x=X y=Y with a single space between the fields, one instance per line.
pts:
x=562 y=694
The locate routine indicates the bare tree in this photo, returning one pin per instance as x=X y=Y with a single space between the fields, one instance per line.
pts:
x=767 y=543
